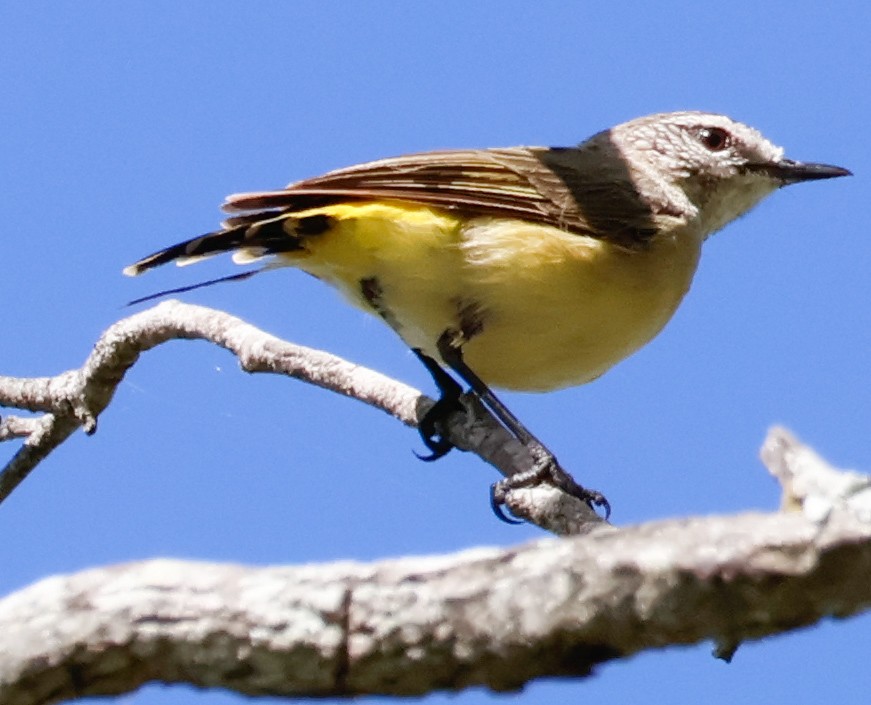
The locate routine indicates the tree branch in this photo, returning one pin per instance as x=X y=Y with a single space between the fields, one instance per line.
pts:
x=491 y=617
x=76 y=398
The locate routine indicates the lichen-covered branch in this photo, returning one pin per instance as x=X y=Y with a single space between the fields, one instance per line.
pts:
x=488 y=617
x=75 y=399
x=18 y=427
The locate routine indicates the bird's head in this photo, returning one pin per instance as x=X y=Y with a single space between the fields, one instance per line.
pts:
x=709 y=166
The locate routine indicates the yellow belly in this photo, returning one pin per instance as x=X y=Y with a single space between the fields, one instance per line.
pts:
x=555 y=308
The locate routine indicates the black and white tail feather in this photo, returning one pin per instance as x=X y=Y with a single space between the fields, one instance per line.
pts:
x=250 y=238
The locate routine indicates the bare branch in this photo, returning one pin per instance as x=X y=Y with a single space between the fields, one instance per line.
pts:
x=812 y=485
x=47 y=434
x=491 y=617
x=76 y=398
x=18 y=427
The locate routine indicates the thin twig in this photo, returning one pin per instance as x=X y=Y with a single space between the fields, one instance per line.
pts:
x=17 y=427
x=77 y=398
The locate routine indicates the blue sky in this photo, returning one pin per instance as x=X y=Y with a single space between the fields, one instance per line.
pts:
x=123 y=125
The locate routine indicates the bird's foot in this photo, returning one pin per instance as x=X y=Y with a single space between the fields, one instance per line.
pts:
x=547 y=470
x=429 y=427
x=448 y=402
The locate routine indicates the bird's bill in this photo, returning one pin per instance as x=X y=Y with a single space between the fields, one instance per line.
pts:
x=791 y=172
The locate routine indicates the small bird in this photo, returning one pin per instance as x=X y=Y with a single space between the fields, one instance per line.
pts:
x=523 y=268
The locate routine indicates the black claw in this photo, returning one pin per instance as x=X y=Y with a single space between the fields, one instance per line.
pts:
x=561 y=479
x=497 y=501
x=429 y=432
x=597 y=499
x=439 y=449
x=429 y=427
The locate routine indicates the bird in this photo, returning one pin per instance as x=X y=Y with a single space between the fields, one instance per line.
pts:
x=520 y=268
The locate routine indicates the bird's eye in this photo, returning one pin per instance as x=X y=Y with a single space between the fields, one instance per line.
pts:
x=714 y=138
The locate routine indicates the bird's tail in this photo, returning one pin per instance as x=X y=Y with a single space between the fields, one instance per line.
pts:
x=248 y=237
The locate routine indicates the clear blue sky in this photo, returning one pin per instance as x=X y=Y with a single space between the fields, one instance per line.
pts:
x=123 y=125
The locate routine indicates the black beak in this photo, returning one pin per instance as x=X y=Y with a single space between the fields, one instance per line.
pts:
x=790 y=172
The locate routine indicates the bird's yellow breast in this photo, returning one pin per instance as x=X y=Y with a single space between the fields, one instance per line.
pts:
x=549 y=308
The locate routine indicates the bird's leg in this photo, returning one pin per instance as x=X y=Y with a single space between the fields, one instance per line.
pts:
x=450 y=391
x=545 y=467
x=448 y=402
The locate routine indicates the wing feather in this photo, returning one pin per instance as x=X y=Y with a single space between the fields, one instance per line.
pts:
x=587 y=191
x=510 y=182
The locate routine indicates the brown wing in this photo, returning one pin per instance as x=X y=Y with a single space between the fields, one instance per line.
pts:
x=584 y=191
x=499 y=182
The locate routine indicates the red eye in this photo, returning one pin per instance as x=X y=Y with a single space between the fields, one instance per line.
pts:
x=714 y=138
